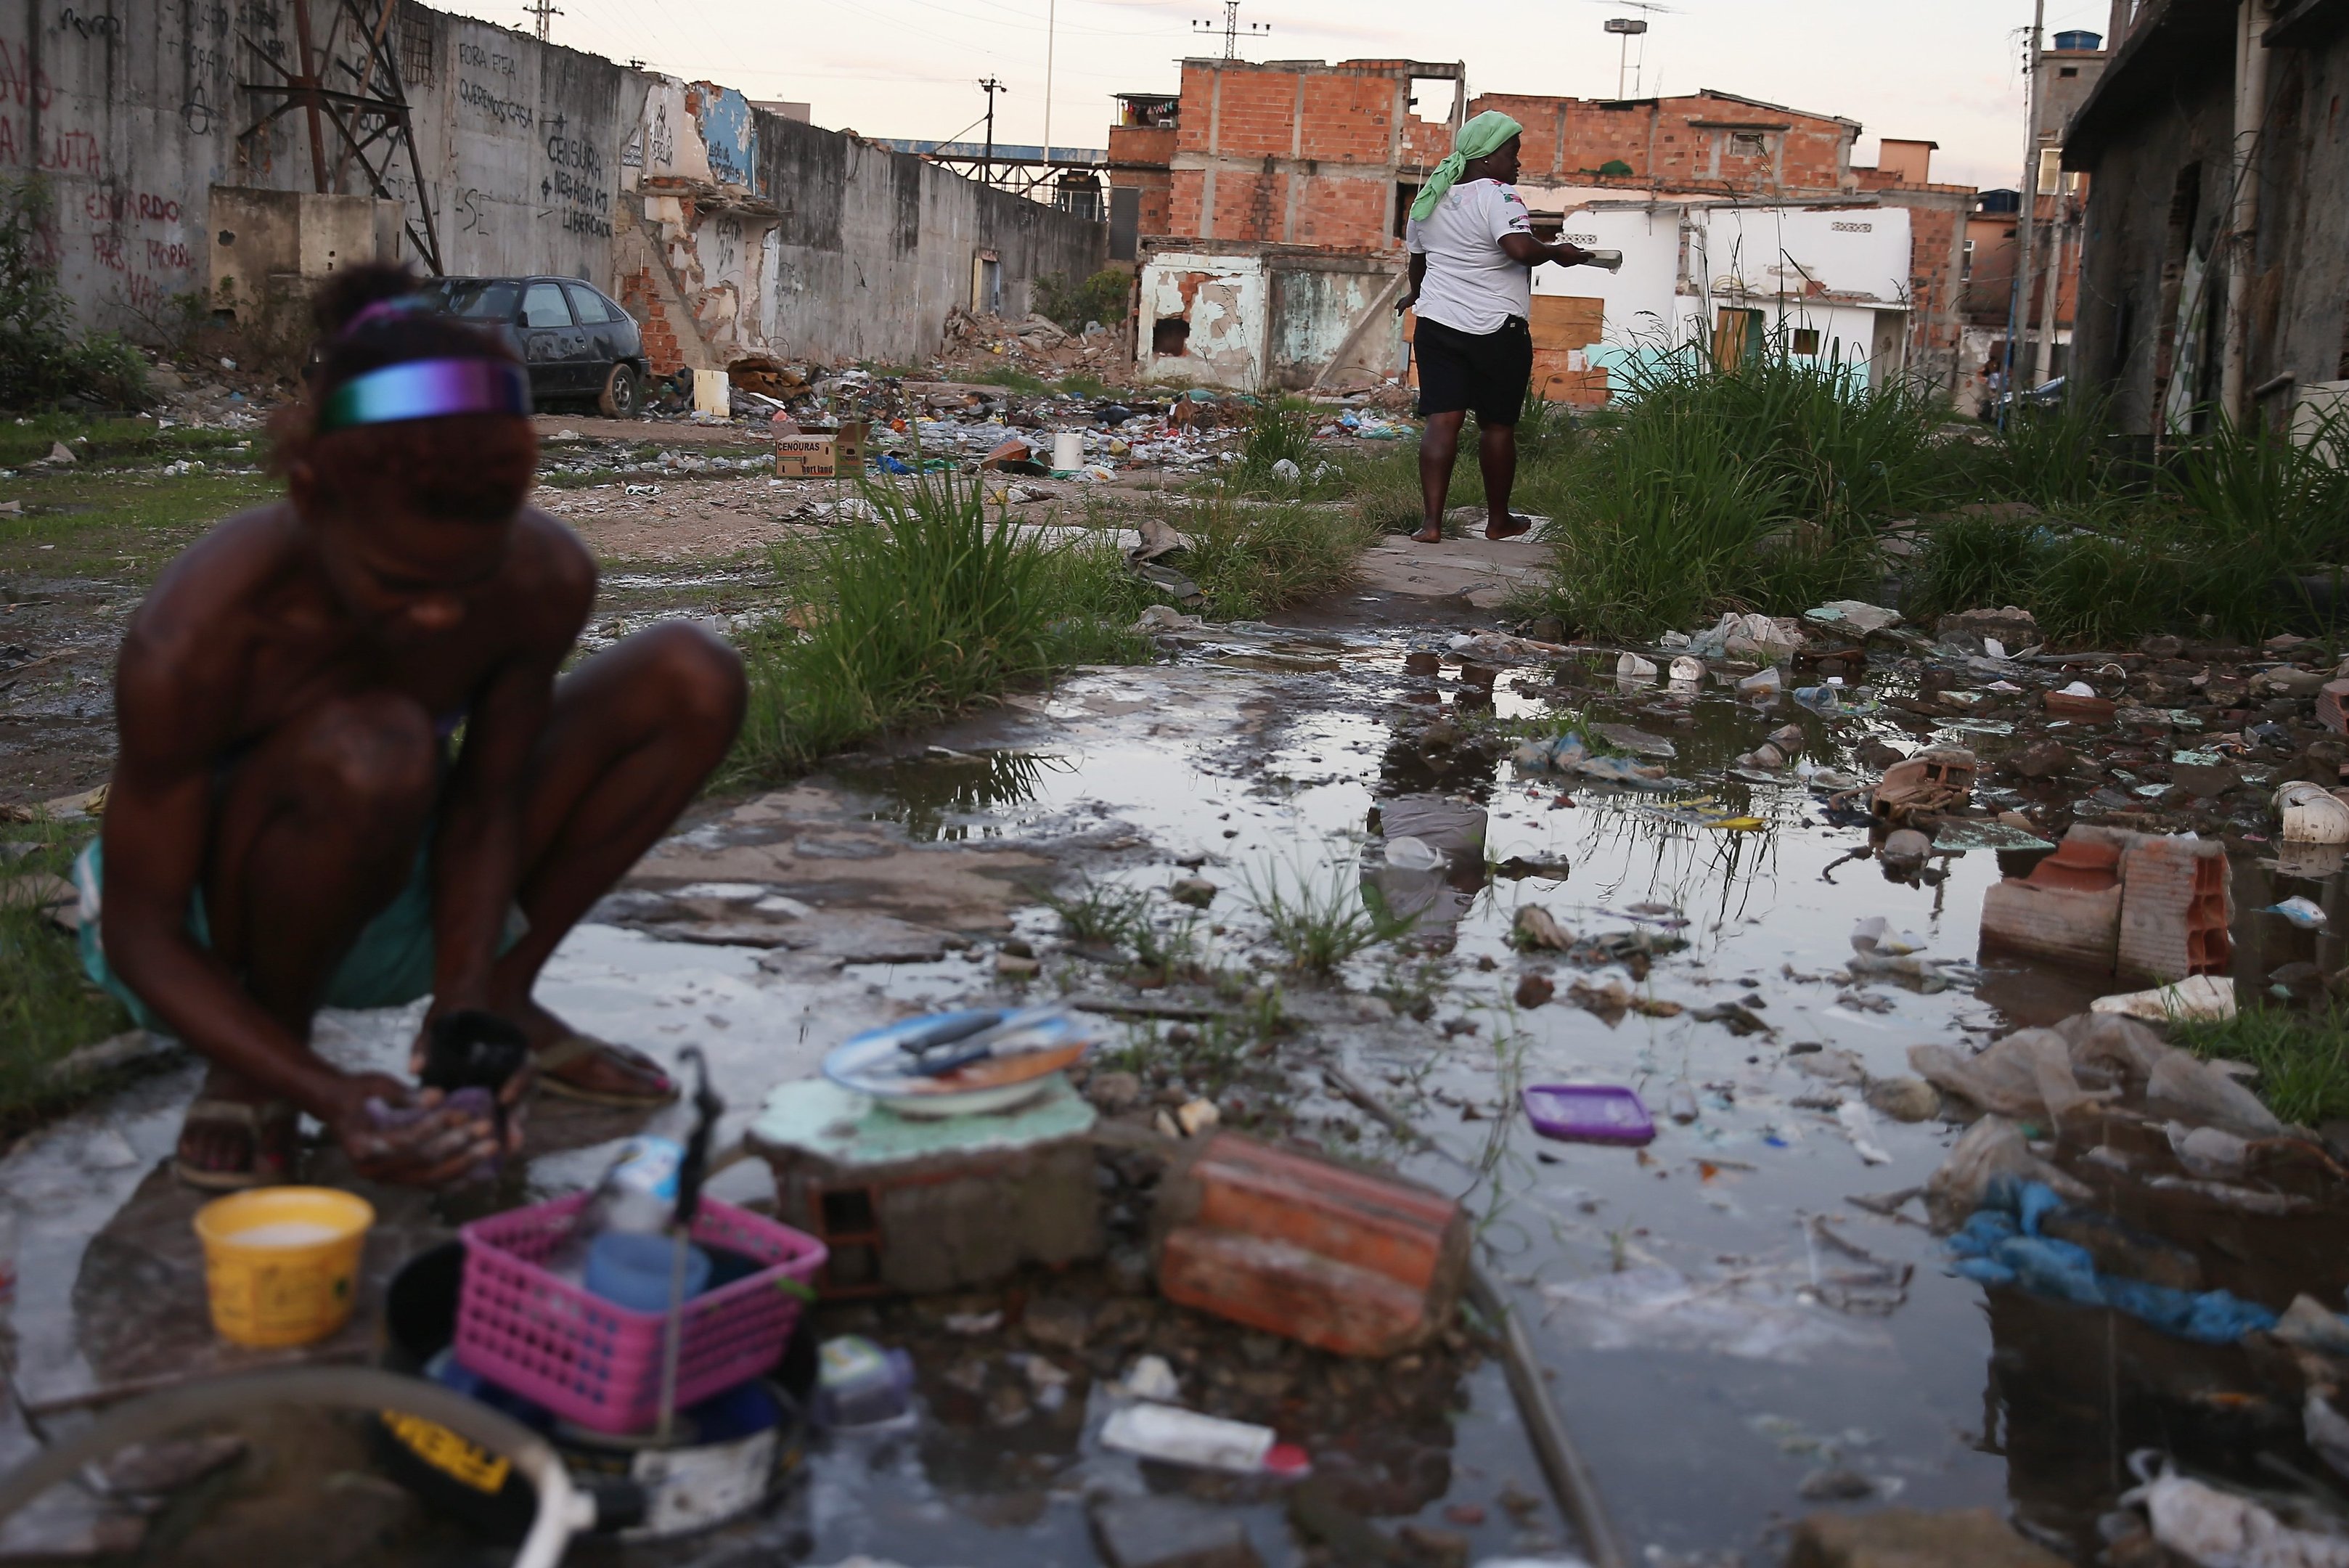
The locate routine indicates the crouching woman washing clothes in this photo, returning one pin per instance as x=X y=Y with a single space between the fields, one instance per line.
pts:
x=348 y=775
x=1473 y=253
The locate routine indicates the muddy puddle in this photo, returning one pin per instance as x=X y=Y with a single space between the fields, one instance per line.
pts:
x=1731 y=1340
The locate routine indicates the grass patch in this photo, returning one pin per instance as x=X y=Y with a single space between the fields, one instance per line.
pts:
x=78 y=522
x=115 y=441
x=1251 y=560
x=47 y=1006
x=931 y=610
x=1010 y=376
x=2302 y=1057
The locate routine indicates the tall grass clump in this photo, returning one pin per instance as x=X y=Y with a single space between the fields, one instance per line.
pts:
x=47 y=1006
x=930 y=610
x=1279 y=430
x=2241 y=531
x=1251 y=560
x=1320 y=922
x=1758 y=486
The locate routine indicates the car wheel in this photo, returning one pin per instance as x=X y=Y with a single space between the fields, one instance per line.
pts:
x=619 y=397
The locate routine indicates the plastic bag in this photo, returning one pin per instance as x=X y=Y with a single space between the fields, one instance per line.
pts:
x=2219 y=1530
x=1992 y=1147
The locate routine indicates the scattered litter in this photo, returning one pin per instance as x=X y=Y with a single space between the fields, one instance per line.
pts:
x=1588 y=1113
x=2305 y=913
x=2198 y=996
x=1176 y=1436
x=1754 y=1316
x=2217 y=1529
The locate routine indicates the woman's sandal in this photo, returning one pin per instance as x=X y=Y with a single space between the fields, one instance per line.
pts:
x=270 y=1127
x=578 y=1047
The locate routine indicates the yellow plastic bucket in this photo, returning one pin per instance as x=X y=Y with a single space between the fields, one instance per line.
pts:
x=282 y=1263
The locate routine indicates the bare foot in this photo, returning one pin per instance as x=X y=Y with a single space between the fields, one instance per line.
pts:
x=1432 y=533
x=1509 y=529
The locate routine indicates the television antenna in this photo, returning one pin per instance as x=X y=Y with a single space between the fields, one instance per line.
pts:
x=1628 y=67
x=1232 y=30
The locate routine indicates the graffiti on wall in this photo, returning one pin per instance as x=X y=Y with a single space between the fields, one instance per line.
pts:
x=573 y=186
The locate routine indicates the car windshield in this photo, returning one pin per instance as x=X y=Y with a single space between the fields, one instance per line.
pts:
x=490 y=299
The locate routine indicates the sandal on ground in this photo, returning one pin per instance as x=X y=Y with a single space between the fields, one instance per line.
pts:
x=575 y=1048
x=1518 y=524
x=269 y=1128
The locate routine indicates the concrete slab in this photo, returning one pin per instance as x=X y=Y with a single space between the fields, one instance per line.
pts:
x=1483 y=571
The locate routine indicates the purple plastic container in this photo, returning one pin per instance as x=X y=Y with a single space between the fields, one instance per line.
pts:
x=1588 y=1113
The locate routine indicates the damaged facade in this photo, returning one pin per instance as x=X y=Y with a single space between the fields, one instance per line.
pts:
x=1307 y=158
x=2215 y=262
x=739 y=233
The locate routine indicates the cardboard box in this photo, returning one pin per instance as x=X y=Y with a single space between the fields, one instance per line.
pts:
x=819 y=453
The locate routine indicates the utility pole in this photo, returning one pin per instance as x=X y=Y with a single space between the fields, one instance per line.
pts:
x=1232 y=30
x=2018 y=315
x=544 y=11
x=1627 y=29
x=990 y=87
x=1051 y=23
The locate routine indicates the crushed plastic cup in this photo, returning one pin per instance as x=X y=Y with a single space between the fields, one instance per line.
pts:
x=1688 y=668
x=1409 y=854
x=1764 y=682
x=1631 y=666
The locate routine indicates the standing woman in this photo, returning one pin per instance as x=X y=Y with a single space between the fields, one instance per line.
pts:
x=1473 y=253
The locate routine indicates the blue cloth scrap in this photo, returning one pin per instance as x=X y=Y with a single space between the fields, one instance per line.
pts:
x=1999 y=1244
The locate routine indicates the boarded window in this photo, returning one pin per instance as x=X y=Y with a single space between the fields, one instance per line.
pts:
x=1806 y=340
x=415 y=49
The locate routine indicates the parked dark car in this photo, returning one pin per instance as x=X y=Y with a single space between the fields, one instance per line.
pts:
x=577 y=340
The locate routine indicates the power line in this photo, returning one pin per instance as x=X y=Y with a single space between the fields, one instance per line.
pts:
x=1232 y=30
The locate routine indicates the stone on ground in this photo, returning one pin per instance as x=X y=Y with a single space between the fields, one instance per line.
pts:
x=1913 y=1538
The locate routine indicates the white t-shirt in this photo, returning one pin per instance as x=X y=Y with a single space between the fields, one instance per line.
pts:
x=1472 y=285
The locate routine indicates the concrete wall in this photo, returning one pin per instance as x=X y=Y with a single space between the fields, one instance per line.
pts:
x=2155 y=139
x=1271 y=317
x=776 y=238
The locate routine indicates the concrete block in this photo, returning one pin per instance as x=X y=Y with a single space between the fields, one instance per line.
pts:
x=1170 y=1533
x=1912 y=1538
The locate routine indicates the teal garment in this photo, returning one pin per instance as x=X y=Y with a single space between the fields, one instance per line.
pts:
x=391 y=965
x=1487 y=133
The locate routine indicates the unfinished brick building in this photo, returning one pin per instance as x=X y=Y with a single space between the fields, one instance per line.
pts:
x=1327 y=157
x=1300 y=153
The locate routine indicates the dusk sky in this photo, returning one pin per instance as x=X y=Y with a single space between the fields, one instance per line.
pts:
x=1947 y=70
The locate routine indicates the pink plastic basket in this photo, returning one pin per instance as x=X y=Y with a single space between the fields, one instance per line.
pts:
x=597 y=1364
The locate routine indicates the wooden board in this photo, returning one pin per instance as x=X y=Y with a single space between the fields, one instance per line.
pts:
x=1567 y=321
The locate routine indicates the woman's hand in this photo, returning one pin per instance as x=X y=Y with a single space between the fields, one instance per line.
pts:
x=422 y=1141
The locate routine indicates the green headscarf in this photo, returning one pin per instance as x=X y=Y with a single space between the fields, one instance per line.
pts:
x=1484 y=134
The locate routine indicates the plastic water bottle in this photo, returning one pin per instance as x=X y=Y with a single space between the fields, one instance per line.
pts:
x=635 y=1198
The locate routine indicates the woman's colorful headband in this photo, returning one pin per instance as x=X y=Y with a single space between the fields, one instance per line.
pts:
x=425 y=390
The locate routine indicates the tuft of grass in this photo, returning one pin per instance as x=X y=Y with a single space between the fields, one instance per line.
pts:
x=1279 y=430
x=1010 y=376
x=2302 y=1057
x=116 y=525
x=1252 y=560
x=1106 y=914
x=47 y=1006
x=932 y=609
x=1320 y=922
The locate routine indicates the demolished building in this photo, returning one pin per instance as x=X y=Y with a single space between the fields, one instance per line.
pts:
x=215 y=161
x=2215 y=262
x=1284 y=177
